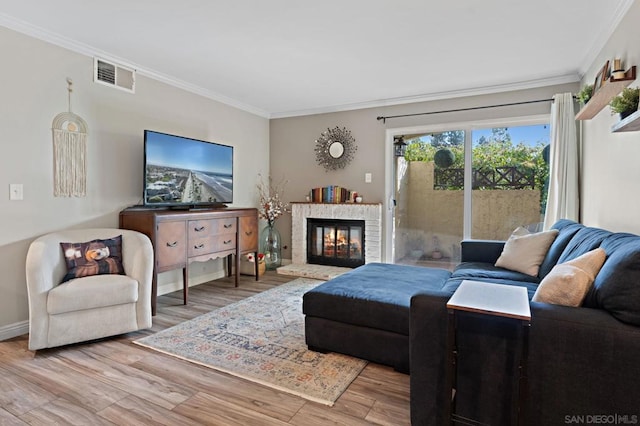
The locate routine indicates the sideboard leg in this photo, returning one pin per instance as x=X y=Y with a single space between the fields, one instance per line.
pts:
x=185 y=285
x=154 y=292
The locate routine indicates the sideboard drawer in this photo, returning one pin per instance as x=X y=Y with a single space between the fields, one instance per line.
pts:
x=200 y=246
x=201 y=228
x=211 y=244
x=171 y=244
x=224 y=242
x=225 y=226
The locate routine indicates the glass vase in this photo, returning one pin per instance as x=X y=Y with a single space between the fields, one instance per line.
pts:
x=271 y=246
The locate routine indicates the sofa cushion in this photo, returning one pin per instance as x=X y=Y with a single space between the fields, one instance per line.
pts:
x=525 y=252
x=375 y=295
x=567 y=229
x=585 y=240
x=452 y=284
x=568 y=283
x=617 y=286
x=475 y=270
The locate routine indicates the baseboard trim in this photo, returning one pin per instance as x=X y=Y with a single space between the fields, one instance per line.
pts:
x=14 y=330
x=19 y=328
x=193 y=281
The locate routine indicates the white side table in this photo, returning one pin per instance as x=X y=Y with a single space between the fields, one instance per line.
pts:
x=497 y=300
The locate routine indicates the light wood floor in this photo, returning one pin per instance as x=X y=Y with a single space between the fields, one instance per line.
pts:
x=113 y=381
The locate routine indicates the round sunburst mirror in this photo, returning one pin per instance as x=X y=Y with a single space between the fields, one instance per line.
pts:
x=335 y=148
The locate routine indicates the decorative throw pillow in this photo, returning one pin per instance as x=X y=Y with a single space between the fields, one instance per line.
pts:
x=93 y=258
x=524 y=252
x=568 y=283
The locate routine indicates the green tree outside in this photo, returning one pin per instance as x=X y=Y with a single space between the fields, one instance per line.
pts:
x=496 y=151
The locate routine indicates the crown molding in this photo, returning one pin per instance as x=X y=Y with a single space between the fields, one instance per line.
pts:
x=203 y=92
x=82 y=48
x=486 y=90
x=606 y=32
x=87 y=50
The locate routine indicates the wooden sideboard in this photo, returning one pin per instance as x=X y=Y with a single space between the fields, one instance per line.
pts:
x=180 y=237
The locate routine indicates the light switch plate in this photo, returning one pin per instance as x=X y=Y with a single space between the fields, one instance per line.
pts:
x=367 y=178
x=16 y=191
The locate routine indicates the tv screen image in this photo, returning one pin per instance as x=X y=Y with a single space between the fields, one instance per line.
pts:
x=180 y=171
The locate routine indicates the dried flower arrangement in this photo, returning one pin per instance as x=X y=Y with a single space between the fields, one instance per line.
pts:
x=271 y=205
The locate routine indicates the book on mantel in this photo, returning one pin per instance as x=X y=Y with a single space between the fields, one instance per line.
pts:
x=332 y=194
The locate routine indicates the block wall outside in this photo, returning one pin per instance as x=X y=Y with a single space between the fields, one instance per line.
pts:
x=434 y=218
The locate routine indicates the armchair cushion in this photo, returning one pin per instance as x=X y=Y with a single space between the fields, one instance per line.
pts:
x=93 y=258
x=97 y=291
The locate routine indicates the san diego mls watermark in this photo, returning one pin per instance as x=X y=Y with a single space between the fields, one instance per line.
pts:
x=601 y=419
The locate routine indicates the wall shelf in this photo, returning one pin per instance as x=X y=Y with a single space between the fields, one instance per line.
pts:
x=604 y=94
x=629 y=124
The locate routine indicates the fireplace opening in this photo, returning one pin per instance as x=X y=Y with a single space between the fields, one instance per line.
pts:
x=335 y=242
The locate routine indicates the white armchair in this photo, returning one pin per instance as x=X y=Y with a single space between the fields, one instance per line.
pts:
x=89 y=307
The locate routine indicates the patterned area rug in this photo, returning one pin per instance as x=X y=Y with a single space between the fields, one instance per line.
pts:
x=261 y=339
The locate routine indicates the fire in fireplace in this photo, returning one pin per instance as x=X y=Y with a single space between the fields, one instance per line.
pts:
x=335 y=242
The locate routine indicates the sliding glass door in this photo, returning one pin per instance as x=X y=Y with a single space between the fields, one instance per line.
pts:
x=444 y=192
x=429 y=199
x=509 y=176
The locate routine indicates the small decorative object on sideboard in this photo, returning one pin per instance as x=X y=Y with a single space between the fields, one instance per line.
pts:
x=626 y=103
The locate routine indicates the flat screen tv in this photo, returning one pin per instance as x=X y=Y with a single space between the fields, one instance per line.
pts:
x=186 y=173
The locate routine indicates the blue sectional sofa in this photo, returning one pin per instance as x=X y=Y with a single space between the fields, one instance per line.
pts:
x=583 y=361
x=365 y=312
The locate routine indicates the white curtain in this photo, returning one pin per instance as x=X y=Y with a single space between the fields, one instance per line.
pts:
x=563 y=200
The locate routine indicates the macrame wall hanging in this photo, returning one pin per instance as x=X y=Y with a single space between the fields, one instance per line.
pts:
x=69 y=153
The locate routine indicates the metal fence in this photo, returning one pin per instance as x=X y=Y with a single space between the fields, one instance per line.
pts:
x=511 y=177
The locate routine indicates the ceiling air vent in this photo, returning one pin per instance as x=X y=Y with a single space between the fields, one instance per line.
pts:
x=114 y=75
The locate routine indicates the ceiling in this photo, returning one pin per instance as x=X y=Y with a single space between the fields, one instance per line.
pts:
x=281 y=58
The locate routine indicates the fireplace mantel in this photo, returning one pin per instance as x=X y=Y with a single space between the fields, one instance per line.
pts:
x=371 y=213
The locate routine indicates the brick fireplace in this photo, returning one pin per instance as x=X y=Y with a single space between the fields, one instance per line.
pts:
x=369 y=213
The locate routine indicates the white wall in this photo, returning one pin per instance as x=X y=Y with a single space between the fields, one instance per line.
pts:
x=610 y=163
x=33 y=90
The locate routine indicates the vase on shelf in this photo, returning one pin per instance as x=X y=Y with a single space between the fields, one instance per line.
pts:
x=271 y=246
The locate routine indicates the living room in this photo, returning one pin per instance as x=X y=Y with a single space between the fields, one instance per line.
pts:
x=34 y=90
